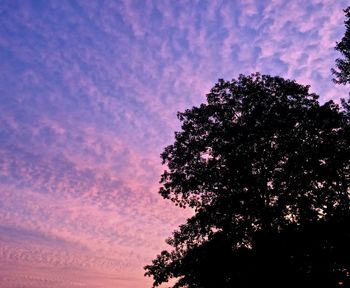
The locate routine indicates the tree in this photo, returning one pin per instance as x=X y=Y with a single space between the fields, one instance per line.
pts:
x=265 y=168
x=342 y=75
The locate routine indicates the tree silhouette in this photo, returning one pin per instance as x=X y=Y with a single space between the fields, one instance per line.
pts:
x=266 y=168
x=342 y=75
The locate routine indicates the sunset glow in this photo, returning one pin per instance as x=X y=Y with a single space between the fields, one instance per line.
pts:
x=89 y=95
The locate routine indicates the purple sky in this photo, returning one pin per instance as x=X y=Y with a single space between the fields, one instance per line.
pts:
x=89 y=92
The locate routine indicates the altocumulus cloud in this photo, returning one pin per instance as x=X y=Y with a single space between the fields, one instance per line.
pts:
x=89 y=95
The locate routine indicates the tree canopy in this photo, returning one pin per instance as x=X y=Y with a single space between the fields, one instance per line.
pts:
x=266 y=169
x=342 y=74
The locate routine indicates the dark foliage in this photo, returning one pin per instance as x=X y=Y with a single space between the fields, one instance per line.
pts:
x=342 y=74
x=266 y=169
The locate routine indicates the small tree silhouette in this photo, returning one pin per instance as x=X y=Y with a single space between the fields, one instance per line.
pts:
x=342 y=74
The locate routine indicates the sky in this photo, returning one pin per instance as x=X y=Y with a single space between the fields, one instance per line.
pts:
x=89 y=92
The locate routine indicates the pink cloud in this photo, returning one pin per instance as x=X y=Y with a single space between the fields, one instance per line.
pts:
x=89 y=100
